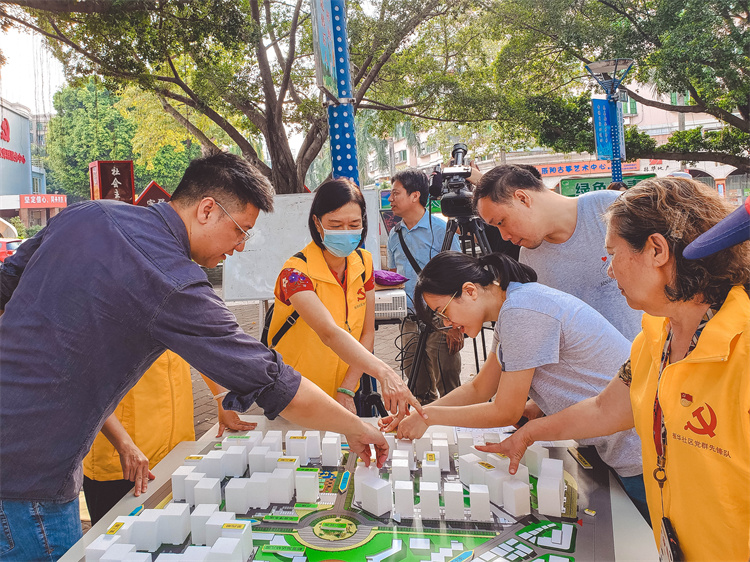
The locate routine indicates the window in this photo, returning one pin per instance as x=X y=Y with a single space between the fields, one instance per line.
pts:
x=674 y=101
x=36 y=185
x=426 y=147
x=400 y=156
x=629 y=107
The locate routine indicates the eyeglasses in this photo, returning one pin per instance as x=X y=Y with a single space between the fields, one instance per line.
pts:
x=441 y=313
x=246 y=234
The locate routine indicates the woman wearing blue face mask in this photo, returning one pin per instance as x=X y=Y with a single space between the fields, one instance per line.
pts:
x=326 y=294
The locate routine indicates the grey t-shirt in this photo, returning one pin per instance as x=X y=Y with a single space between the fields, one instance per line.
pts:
x=574 y=352
x=579 y=265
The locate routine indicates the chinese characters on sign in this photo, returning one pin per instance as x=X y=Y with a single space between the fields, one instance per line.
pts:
x=579 y=186
x=112 y=180
x=595 y=167
x=152 y=195
x=43 y=201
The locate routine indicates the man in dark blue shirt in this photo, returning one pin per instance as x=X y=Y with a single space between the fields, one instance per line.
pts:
x=90 y=302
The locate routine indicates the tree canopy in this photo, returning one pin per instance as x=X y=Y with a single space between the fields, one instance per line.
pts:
x=88 y=127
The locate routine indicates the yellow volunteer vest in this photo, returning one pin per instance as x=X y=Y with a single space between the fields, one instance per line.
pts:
x=706 y=400
x=301 y=347
x=157 y=413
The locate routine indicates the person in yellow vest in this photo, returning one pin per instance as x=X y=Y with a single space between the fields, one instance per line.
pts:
x=154 y=416
x=686 y=387
x=323 y=322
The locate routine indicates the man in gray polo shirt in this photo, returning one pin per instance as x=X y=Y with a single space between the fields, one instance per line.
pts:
x=561 y=238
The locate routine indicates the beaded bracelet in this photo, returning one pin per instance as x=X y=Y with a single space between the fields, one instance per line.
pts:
x=346 y=391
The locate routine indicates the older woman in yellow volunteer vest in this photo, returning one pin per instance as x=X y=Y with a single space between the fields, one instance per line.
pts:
x=327 y=292
x=695 y=350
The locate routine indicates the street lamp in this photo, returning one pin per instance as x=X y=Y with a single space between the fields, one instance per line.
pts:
x=610 y=74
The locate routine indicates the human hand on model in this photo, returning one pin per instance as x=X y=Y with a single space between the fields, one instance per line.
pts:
x=230 y=420
x=513 y=447
x=361 y=437
x=396 y=395
x=409 y=427
x=455 y=340
x=134 y=465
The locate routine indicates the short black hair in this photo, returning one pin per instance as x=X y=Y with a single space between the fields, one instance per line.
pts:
x=332 y=195
x=413 y=180
x=501 y=182
x=229 y=178
x=533 y=169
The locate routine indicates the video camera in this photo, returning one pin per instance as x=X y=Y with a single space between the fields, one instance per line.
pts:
x=451 y=187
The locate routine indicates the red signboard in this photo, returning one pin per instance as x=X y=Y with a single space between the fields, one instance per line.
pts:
x=152 y=195
x=112 y=179
x=43 y=201
x=585 y=167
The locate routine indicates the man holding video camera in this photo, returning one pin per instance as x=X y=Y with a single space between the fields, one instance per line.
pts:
x=416 y=239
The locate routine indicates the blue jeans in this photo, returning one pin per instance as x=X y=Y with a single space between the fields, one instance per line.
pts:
x=31 y=531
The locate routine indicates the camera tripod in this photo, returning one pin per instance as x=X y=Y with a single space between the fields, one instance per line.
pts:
x=472 y=227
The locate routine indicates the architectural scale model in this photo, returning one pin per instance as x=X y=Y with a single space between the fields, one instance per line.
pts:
x=302 y=497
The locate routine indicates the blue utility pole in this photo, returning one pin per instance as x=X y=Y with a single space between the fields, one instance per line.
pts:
x=341 y=116
x=606 y=74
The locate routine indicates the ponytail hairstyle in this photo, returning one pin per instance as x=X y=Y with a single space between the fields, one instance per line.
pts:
x=447 y=272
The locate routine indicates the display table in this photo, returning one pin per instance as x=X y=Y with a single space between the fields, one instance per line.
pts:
x=632 y=537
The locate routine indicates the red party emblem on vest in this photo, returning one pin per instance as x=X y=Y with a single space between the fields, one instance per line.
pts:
x=361 y=294
x=707 y=427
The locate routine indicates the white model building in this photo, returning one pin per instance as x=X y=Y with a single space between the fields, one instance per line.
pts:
x=190 y=481
x=466 y=468
x=313 y=444
x=208 y=490
x=145 y=533
x=272 y=460
x=431 y=467
x=422 y=445
x=241 y=530
x=306 y=485
x=400 y=470
x=516 y=498
x=494 y=480
x=178 y=481
x=257 y=490
x=214 y=524
x=213 y=464
x=193 y=460
x=533 y=456
x=404 y=494
x=273 y=440
x=481 y=454
x=390 y=438
x=281 y=485
x=99 y=546
x=198 y=519
x=235 y=461
x=551 y=487
x=465 y=442
x=479 y=500
x=226 y=550
x=196 y=553
x=453 y=497
x=292 y=463
x=441 y=446
x=256 y=458
x=236 y=495
x=408 y=456
x=175 y=523
x=361 y=474
x=118 y=552
x=522 y=474
x=331 y=452
x=244 y=441
x=377 y=496
x=296 y=446
x=429 y=500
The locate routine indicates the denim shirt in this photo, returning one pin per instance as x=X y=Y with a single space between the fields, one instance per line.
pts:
x=90 y=303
